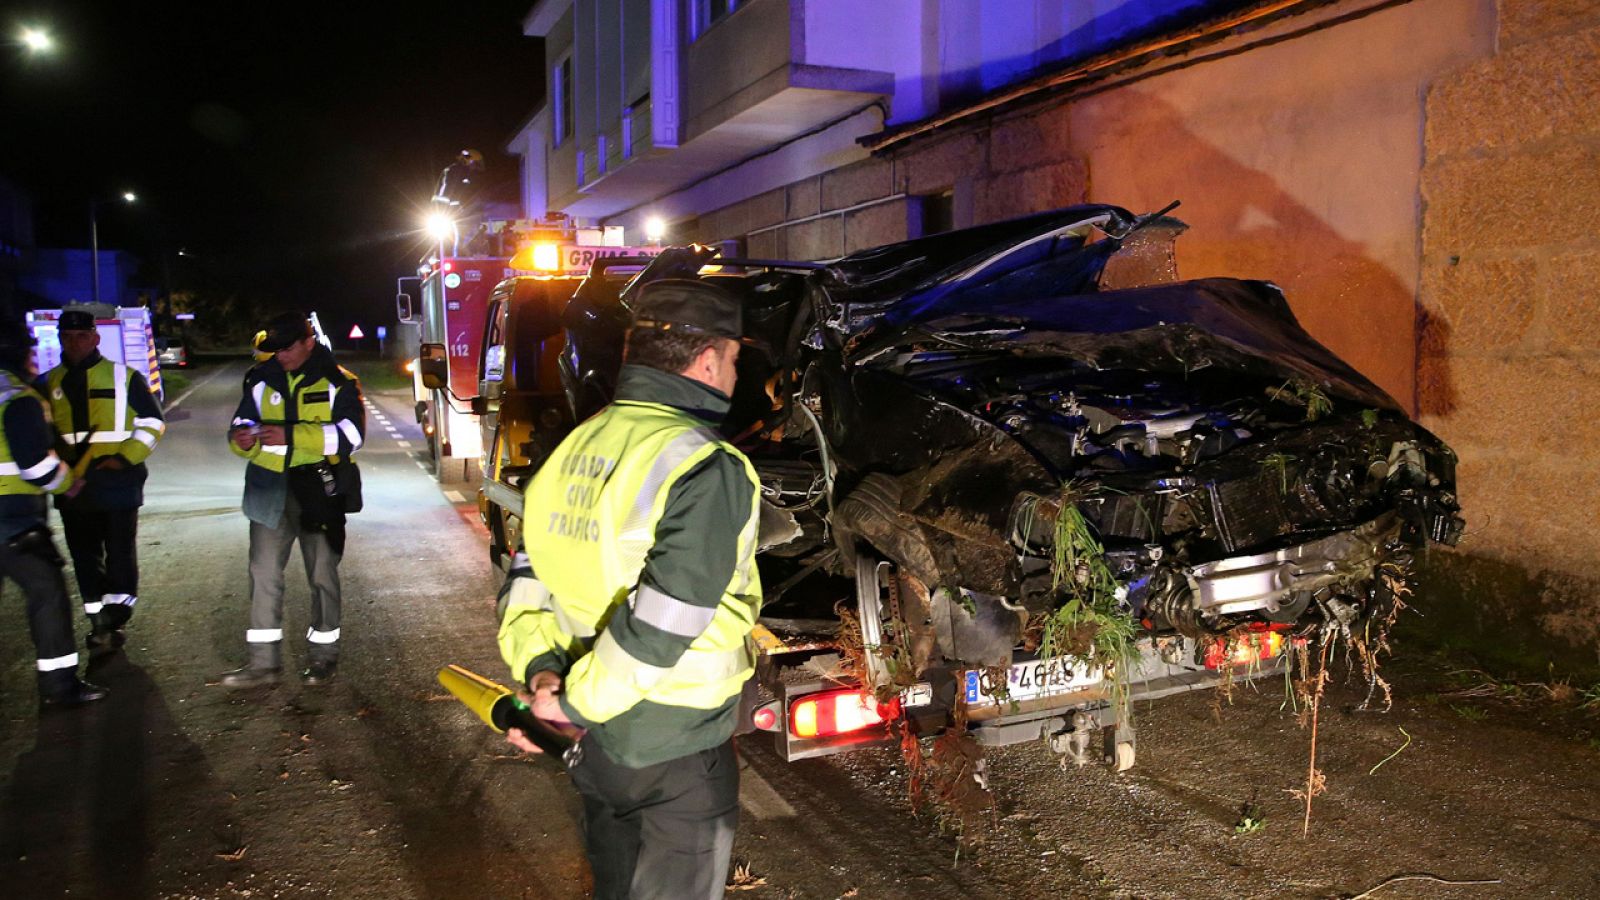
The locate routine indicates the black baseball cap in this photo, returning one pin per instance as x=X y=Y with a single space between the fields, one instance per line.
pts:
x=691 y=306
x=283 y=331
x=77 y=320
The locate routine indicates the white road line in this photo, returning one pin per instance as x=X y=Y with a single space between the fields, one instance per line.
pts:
x=759 y=797
x=192 y=388
x=423 y=468
x=454 y=497
x=403 y=443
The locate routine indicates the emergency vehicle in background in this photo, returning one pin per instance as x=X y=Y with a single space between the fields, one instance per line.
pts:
x=125 y=337
x=449 y=301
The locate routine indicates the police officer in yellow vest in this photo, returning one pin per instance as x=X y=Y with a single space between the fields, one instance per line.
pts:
x=104 y=411
x=627 y=610
x=301 y=414
x=29 y=469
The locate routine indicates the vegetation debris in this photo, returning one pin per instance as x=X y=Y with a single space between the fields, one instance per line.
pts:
x=744 y=880
x=1396 y=879
x=1374 y=769
x=1311 y=690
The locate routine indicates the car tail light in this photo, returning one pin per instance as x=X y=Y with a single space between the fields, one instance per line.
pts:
x=765 y=719
x=837 y=712
x=1253 y=646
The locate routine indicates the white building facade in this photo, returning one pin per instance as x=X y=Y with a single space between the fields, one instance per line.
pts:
x=678 y=108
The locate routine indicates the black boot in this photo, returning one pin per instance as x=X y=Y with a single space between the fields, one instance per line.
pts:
x=107 y=641
x=319 y=672
x=264 y=667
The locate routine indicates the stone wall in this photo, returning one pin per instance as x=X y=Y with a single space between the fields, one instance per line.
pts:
x=1509 y=359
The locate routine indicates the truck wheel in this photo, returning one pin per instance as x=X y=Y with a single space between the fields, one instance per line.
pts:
x=505 y=534
x=446 y=469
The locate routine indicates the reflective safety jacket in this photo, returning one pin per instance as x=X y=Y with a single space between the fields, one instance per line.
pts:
x=29 y=468
x=102 y=408
x=319 y=405
x=637 y=577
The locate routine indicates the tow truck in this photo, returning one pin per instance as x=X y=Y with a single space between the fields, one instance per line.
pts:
x=964 y=438
x=452 y=301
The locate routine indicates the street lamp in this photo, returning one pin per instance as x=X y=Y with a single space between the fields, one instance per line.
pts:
x=94 y=238
x=37 y=40
x=654 y=229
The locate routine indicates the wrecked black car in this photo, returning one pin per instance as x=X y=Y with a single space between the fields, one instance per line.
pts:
x=1044 y=476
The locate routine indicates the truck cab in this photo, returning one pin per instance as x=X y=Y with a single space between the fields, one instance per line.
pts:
x=522 y=407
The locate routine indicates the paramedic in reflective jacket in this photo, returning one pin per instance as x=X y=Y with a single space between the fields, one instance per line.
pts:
x=301 y=414
x=627 y=610
x=103 y=411
x=29 y=469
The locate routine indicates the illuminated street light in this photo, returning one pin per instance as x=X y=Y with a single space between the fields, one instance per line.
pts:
x=654 y=229
x=37 y=40
x=94 y=238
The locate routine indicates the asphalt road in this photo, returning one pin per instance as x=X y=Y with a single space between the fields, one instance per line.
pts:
x=380 y=786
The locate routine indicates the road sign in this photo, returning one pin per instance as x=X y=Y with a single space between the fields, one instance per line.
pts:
x=383 y=332
x=356 y=333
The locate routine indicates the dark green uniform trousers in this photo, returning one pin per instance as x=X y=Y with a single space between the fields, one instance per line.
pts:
x=664 y=832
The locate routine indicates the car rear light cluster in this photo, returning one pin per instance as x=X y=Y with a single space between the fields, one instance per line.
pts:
x=1252 y=646
x=837 y=712
x=827 y=713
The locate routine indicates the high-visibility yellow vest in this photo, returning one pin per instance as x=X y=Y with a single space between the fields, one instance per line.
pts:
x=13 y=478
x=314 y=437
x=591 y=516
x=115 y=429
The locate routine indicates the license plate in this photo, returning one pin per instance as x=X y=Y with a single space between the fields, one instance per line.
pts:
x=1025 y=681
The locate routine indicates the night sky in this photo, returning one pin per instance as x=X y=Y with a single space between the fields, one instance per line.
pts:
x=286 y=148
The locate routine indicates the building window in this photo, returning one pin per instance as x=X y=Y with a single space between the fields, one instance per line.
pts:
x=933 y=214
x=563 y=98
x=705 y=13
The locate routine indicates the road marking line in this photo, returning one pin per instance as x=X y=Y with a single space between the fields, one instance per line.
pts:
x=760 y=798
x=403 y=443
x=454 y=497
x=192 y=388
x=423 y=467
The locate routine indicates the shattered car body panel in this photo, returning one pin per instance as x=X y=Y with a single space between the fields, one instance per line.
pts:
x=958 y=404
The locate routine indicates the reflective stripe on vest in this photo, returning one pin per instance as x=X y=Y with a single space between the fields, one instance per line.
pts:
x=592 y=512
x=313 y=405
x=110 y=419
x=13 y=478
